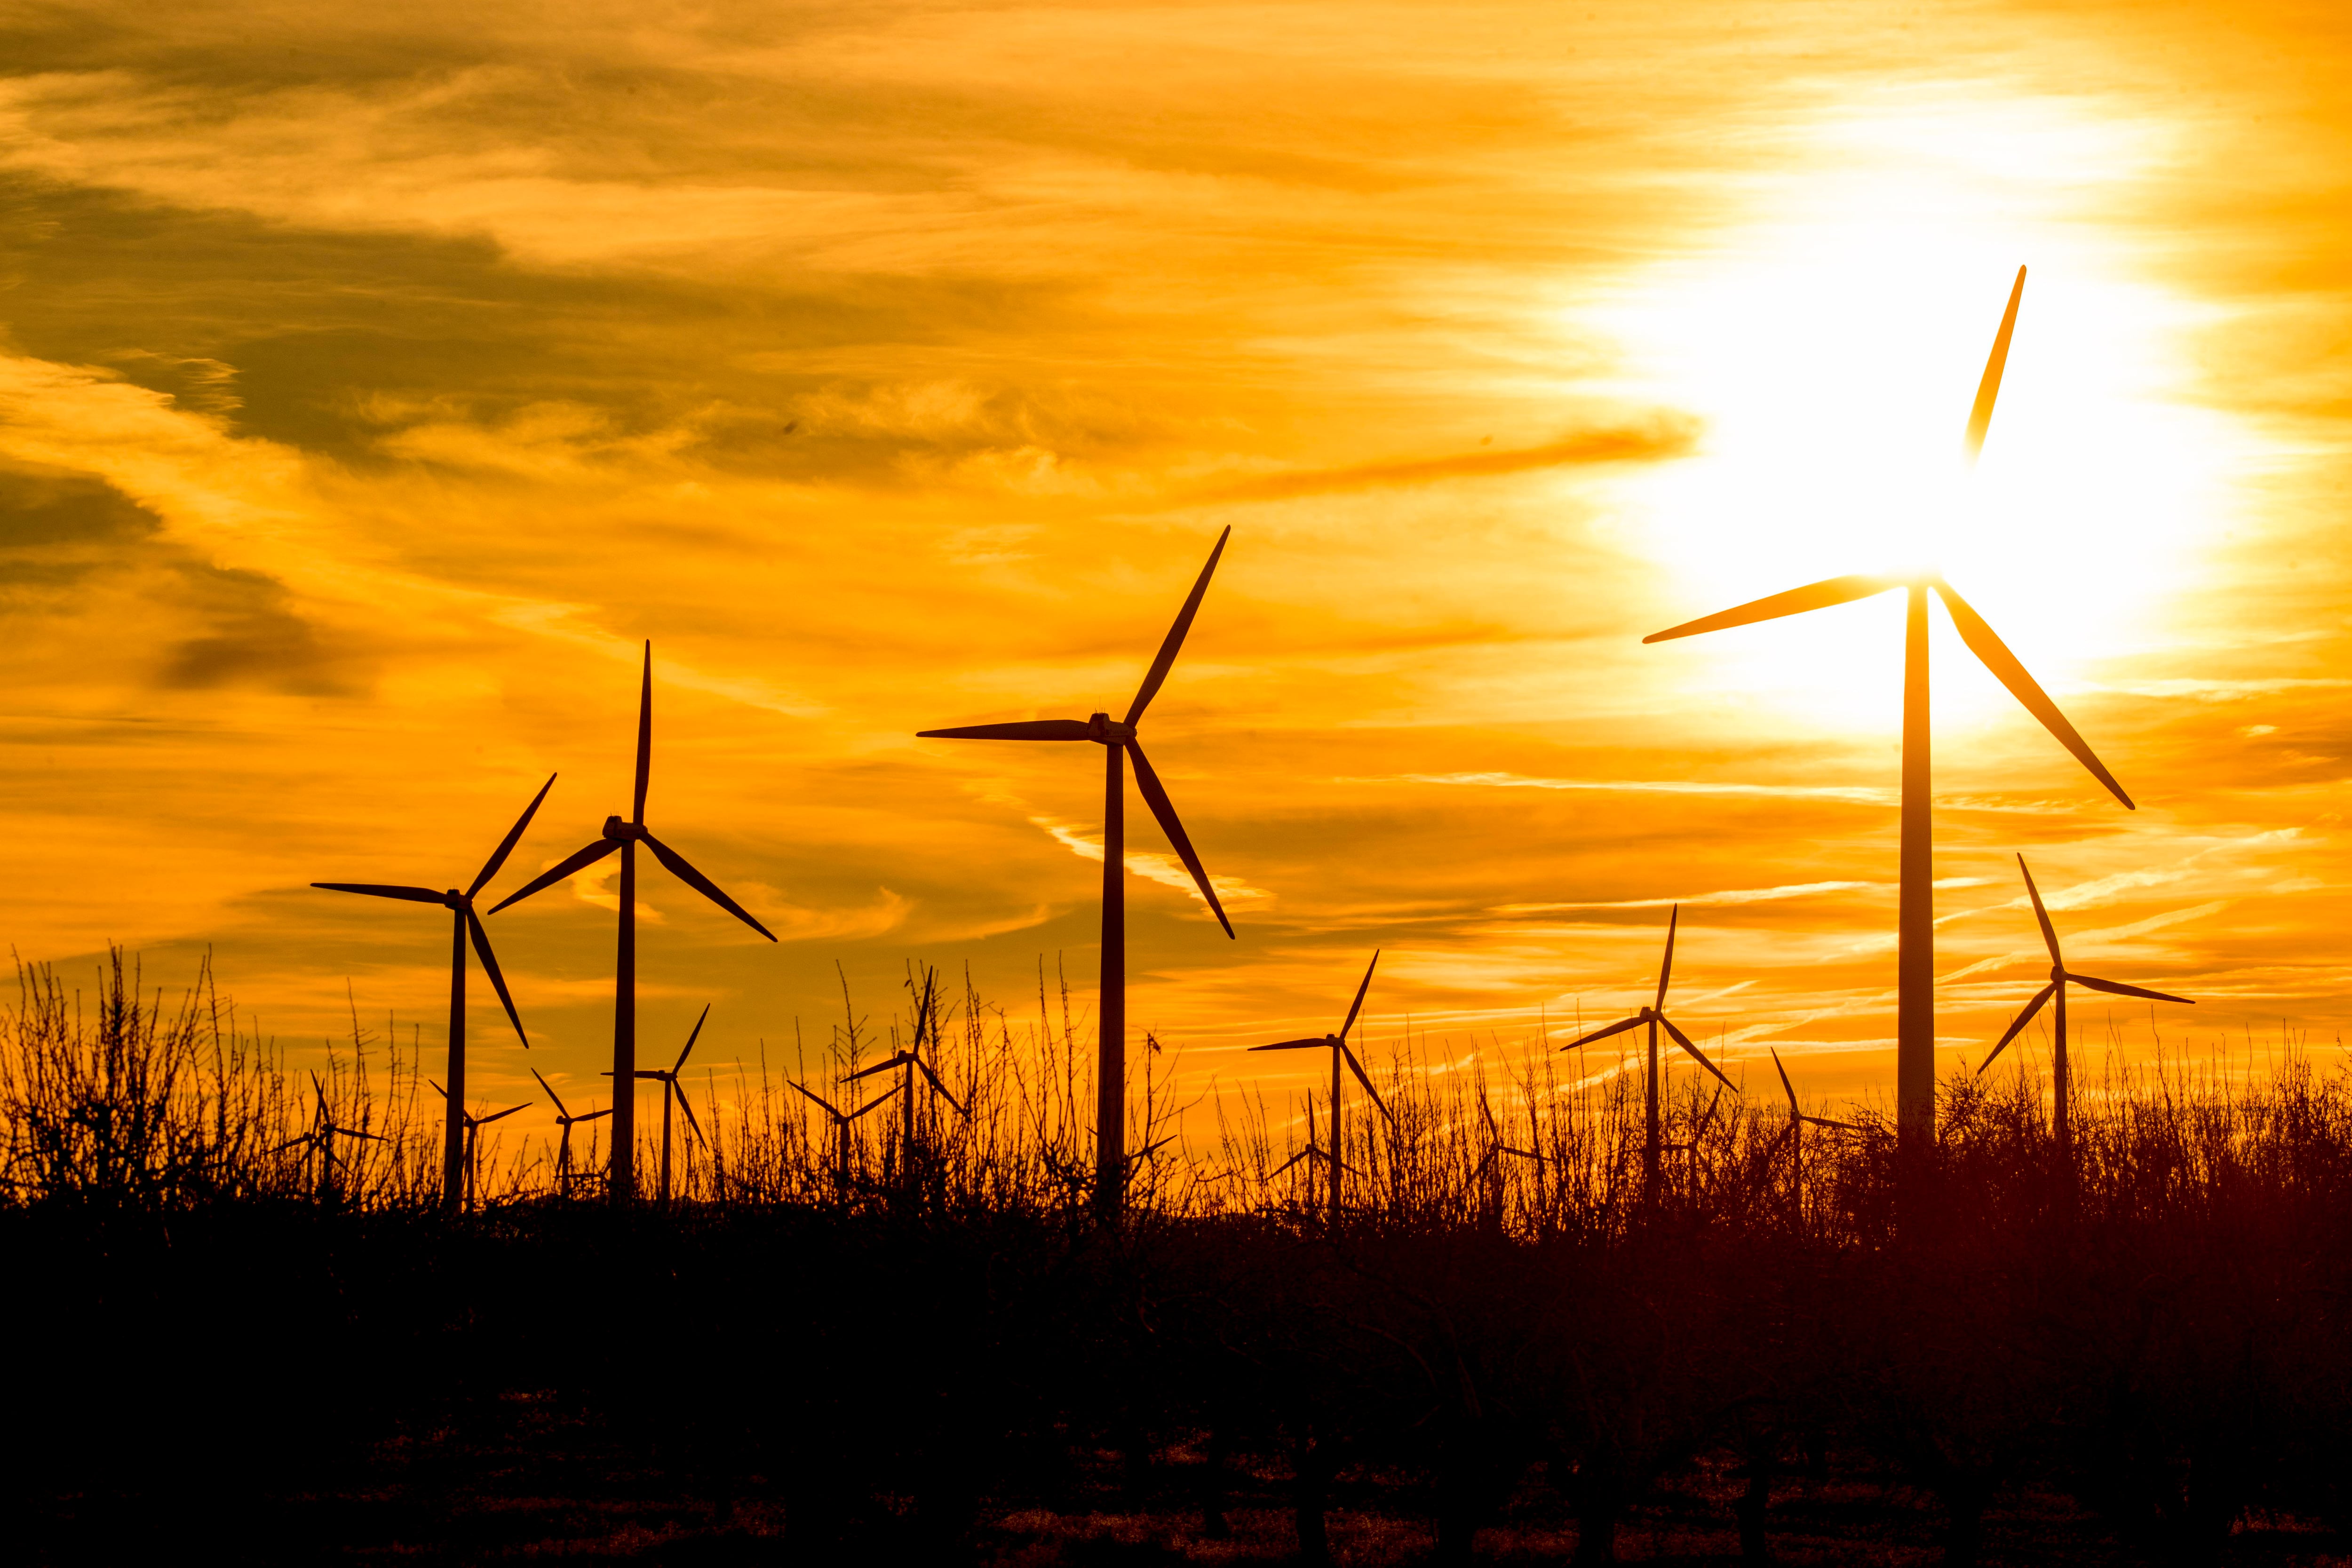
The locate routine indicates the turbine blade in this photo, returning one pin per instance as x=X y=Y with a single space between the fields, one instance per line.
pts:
x=561 y=869
x=829 y=1107
x=878 y=1101
x=1156 y=798
x=883 y=1065
x=1786 y=1084
x=592 y=1115
x=692 y=1037
x=1988 y=388
x=645 y=732
x=1358 y=1004
x=1684 y=1042
x=687 y=1106
x=937 y=1087
x=498 y=1115
x=386 y=890
x=1818 y=596
x=1616 y=1028
x=2011 y=673
x=559 y=1109
x=1023 y=729
x=1666 y=968
x=1358 y=1068
x=2117 y=988
x=2049 y=932
x=497 y=980
x=1294 y=1045
x=1310 y=1148
x=702 y=884
x=2040 y=997
x=1175 y=639
x=1841 y=1126
x=514 y=835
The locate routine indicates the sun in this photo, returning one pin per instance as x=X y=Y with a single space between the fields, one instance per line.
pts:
x=1833 y=343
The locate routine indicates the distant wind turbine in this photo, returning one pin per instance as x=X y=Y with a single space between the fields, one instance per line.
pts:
x=464 y=923
x=1336 y=1044
x=672 y=1091
x=1915 y=1029
x=910 y=1062
x=565 y=1119
x=1117 y=737
x=841 y=1121
x=2060 y=1075
x=1795 y=1134
x=626 y=837
x=474 y=1125
x=1655 y=1017
x=321 y=1136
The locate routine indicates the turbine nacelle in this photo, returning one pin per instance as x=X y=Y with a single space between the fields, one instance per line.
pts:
x=621 y=832
x=1105 y=731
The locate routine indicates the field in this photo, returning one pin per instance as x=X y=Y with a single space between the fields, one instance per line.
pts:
x=237 y=1328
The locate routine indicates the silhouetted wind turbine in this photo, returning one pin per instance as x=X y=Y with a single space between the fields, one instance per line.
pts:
x=1655 y=1017
x=1915 y=1029
x=668 y=1079
x=322 y=1135
x=841 y=1123
x=1117 y=740
x=2061 y=1078
x=565 y=1119
x=1336 y=1044
x=464 y=923
x=626 y=837
x=1312 y=1150
x=474 y=1125
x=1798 y=1123
x=910 y=1061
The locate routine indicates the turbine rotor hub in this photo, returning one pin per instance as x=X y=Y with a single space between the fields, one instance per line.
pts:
x=2057 y=974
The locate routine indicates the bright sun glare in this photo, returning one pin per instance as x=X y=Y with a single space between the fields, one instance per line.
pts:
x=1834 y=346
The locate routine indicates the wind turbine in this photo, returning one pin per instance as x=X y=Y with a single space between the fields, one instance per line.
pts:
x=1914 y=1027
x=1655 y=1017
x=565 y=1119
x=1117 y=740
x=841 y=1123
x=2061 y=1076
x=1336 y=1044
x=909 y=1060
x=474 y=1125
x=1798 y=1123
x=668 y=1079
x=321 y=1136
x=464 y=922
x=626 y=837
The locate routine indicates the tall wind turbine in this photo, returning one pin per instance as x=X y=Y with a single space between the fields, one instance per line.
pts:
x=464 y=922
x=1655 y=1017
x=1795 y=1131
x=2061 y=1076
x=474 y=1125
x=1914 y=1008
x=626 y=837
x=1336 y=1044
x=1117 y=738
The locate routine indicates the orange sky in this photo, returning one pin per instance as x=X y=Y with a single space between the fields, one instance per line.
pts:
x=372 y=380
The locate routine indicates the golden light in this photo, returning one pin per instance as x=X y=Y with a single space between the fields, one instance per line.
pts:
x=1832 y=344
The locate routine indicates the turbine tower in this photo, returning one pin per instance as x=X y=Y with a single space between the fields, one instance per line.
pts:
x=1914 y=1008
x=1117 y=738
x=1336 y=1044
x=2060 y=1075
x=464 y=923
x=1655 y=1017
x=626 y=837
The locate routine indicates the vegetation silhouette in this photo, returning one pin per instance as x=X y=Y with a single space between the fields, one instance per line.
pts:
x=1522 y=1357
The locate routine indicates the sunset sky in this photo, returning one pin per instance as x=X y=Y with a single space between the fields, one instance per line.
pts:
x=374 y=380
